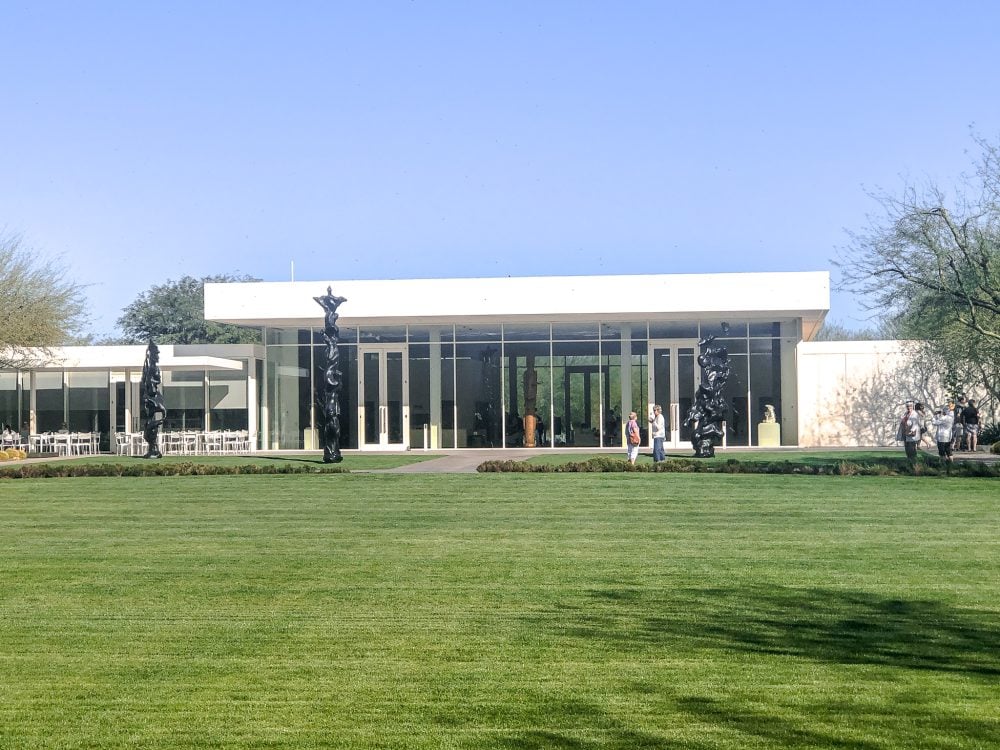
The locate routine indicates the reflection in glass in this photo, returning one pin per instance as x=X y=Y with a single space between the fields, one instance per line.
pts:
x=184 y=397
x=227 y=399
x=575 y=331
x=394 y=396
x=370 y=377
x=420 y=392
x=526 y=394
x=9 y=411
x=49 y=405
x=478 y=393
x=89 y=404
x=576 y=380
x=289 y=396
x=765 y=384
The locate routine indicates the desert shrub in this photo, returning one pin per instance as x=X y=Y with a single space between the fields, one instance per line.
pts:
x=989 y=433
x=848 y=469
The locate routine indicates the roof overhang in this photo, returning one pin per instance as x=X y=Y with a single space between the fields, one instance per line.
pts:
x=82 y=358
x=750 y=296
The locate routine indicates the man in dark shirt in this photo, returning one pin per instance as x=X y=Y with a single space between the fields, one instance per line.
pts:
x=970 y=416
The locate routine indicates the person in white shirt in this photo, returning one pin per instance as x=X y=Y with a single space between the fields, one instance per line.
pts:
x=659 y=433
x=943 y=423
x=909 y=431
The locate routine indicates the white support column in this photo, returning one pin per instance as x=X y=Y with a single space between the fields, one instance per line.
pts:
x=265 y=419
x=252 y=423
x=206 y=423
x=128 y=401
x=32 y=404
x=435 y=386
x=626 y=378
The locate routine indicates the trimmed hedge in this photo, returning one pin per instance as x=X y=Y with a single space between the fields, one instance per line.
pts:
x=154 y=469
x=890 y=467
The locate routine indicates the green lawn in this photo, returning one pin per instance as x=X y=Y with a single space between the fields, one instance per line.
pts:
x=500 y=611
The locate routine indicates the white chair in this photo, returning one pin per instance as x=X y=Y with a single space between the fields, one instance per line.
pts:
x=189 y=443
x=230 y=442
x=80 y=443
x=172 y=443
x=211 y=442
x=123 y=444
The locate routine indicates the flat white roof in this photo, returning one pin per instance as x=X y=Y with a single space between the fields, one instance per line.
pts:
x=174 y=358
x=760 y=296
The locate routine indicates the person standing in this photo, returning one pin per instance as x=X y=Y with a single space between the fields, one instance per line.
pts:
x=958 y=430
x=659 y=433
x=909 y=431
x=632 y=437
x=943 y=422
x=920 y=409
x=956 y=426
x=971 y=418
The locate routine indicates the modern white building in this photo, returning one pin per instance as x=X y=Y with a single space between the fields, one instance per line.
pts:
x=459 y=363
x=95 y=389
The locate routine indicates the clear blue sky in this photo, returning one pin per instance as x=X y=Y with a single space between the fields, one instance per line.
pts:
x=147 y=141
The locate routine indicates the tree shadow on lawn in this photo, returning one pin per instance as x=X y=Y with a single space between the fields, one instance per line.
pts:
x=842 y=627
x=837 y=627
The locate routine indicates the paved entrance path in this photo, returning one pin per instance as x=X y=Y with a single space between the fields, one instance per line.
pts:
x=462 y=462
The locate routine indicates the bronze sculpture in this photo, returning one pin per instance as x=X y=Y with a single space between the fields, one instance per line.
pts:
x=706 y=415
x=330 y=399
x=153 y=409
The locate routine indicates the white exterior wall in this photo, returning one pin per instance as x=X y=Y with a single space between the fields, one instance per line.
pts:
x=852 y=393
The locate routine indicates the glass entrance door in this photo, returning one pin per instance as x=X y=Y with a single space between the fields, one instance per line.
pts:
x=384 y=411
x=674 y=377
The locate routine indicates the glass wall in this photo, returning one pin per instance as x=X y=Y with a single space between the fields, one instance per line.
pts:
x=348 y=393
x=765 y=380
x=576 y=394
x=520 y=384
x=448 y=407
x=527 y=394
x=611 y=392
x=184 y=397
x=420 y=393
x=289 y=397
x=227 y=400
x=10 y=413
x=640 y=397
x=88 y=404
x=478 y=407
x=50 y=407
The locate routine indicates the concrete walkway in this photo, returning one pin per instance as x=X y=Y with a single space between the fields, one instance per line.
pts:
x=460 y=462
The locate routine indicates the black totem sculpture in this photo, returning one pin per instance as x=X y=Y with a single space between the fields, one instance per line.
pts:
x=154 y=412
x=705 y=417
x=330 y=400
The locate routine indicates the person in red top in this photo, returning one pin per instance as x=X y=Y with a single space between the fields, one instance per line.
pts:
x=632 y=437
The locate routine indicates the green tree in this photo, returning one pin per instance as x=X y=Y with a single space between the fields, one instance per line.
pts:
x=174 y=313
x=833 y=330
x=931 y=266
x=39 y=305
